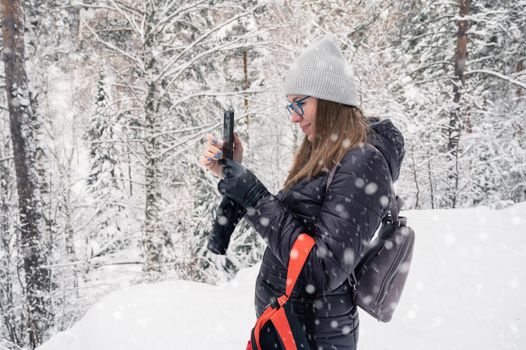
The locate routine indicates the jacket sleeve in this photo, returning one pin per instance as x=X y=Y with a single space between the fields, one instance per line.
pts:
x=355 y=201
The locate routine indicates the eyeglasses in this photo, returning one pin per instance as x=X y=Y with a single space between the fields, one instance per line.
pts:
x=296 y=106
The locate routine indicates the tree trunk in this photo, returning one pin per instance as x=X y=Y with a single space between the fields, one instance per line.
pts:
x=7 y=276
x=430 y=177
x=32 y=227
x=245 y=83
x=455 y=125
x=153 y=243
x=153 y=237
x=518 y=69
x=415 y=177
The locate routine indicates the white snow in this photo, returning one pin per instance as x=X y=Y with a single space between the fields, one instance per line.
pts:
x=465 y=291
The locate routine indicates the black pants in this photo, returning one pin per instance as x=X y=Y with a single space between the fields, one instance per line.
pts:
x=329 y=333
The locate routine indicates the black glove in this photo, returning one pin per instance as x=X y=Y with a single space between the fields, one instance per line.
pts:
x=241 y=184
x=228 y=215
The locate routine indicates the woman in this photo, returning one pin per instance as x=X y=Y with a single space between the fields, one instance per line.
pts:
x=367 y=154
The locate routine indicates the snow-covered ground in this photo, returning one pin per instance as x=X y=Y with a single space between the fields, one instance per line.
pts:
x=463 y=292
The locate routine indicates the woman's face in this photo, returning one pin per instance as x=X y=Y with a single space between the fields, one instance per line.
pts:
x=307 y=121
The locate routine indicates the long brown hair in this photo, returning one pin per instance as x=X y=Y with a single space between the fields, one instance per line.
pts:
x=338 y=128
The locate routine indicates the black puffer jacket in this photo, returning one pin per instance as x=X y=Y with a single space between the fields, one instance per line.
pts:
x=341 y=220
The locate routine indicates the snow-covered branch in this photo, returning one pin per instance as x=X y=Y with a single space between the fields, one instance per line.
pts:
x=189 y=96
x=498 y=75
x=129 y=19
x=91 y=6
x=176 y=14
x=6 y=159
x=227 y=46
x=110 y=46
x=432 y=64
x=169 y=132
x=195 y=136
x=203 y=37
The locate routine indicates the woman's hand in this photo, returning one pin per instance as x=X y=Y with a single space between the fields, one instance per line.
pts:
x=241 y=184
x=213 y=152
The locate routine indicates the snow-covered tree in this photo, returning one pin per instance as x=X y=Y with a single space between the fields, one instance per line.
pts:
x=105 y=179
x=163 y=56
x=12 y=316
x=439 y=50
x=32 y=246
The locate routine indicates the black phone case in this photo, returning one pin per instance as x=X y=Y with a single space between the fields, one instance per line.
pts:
x=228 y=134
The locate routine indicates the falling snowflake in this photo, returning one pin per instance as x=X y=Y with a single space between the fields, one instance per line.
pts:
x=322 y=251
x=309 y=288
x=222 y=220
x=359 y=182
x=294 y=254
x=371 y=188
x=348 y=256
x=384 y=201
x=264 y=221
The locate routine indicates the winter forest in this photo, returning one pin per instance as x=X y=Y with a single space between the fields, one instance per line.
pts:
x=107 y=103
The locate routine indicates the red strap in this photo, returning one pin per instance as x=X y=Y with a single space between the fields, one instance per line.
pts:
x=265 y=316
x=298 y=255
x=279 y=319
x=249 y=346
x=283 y=327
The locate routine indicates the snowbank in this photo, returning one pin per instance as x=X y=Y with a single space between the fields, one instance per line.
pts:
x=464 y=292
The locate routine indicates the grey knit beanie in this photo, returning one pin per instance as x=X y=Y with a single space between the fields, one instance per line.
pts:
x=321 y=71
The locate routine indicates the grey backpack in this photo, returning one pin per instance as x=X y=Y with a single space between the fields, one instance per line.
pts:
x=379 y=277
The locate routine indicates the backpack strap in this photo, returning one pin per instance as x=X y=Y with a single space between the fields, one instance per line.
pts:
x=331 y=175
x=298 y=255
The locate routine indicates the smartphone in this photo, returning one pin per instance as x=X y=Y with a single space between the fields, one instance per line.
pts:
x=228 y=134
x=229 y=212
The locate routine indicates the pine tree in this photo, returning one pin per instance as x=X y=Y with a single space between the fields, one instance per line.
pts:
x=105 y=179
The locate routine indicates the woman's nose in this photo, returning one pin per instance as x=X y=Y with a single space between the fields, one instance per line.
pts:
x=295 y=117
